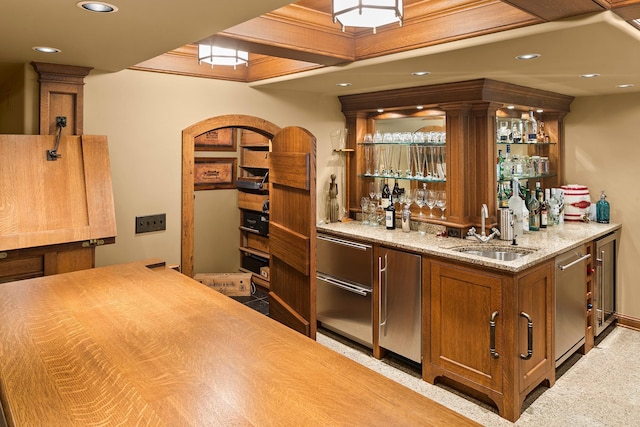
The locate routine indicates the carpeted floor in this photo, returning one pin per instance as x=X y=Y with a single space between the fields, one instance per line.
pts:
x=601 y=388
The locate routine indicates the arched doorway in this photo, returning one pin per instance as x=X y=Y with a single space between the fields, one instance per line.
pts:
x=189 y=134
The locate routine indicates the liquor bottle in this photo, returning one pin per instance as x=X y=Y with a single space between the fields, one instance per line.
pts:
x=532 y=136
x=517 y=206
x=390 y=214
x=503 y=197
x=499 y=163
x=543 y=206
x=534 y=210
x=547 y=202
x=385 y=199
x=554 y=208
x=602 y=209
x=507 y=164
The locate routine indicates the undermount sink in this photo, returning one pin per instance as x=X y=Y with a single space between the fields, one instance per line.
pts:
x=498 y=253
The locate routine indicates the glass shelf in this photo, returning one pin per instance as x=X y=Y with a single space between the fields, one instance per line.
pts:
x=404 y=178
x=404 y=144
x=533 y=144
x=549 y=175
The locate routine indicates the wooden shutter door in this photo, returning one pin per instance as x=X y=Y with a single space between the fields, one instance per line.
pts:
x=292 y=229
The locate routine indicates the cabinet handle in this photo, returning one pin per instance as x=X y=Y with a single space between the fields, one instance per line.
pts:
x=571 y=264
x=529 y=337
x=492 y=333
x=380 y=282
x=601 y=286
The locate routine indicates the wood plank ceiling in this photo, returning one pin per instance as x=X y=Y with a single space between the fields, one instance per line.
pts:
x=302 y=36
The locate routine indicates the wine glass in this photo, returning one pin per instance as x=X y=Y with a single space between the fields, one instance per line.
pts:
x=441 y=202
x=372 y=190
x=420 y=200
x=432 y=196
x=364 y=204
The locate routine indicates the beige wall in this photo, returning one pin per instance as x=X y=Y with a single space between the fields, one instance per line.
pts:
x=602 y=152
x=143 y=115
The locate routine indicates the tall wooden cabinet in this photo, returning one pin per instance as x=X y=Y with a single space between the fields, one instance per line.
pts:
x=253 y=201
x=470 y=109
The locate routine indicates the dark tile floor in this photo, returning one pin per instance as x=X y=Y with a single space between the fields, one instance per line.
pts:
x=258 y=300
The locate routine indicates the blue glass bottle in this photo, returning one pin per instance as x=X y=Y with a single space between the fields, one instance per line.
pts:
x=602 y=209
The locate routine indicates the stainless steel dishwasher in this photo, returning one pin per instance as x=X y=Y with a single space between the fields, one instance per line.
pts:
x=344 y=286
x=571 y=270
x=399 y=276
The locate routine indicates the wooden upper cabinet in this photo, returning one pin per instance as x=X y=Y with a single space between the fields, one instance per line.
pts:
x=57 y=202
x=470 y=109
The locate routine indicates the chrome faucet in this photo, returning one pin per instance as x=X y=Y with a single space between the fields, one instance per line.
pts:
x=484 y=214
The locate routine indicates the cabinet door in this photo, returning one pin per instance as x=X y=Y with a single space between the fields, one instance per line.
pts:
x=535 y=308
x=400 y=301
x=467 y=324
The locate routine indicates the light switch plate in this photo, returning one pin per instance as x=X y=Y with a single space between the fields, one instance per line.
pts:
x=148 y=223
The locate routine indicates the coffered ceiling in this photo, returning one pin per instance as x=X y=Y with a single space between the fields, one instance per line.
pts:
x=298 y=47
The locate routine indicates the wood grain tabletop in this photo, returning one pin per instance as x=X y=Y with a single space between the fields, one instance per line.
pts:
x=128 y=345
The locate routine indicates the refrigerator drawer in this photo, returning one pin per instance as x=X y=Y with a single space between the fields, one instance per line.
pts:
x=345 y=308
x=347 y=260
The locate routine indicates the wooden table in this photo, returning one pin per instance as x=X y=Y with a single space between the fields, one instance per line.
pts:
x=131 y=345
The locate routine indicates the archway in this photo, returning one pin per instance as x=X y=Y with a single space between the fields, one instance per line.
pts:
x=189 y=134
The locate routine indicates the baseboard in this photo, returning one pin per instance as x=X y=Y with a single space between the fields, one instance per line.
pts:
x=629 y=322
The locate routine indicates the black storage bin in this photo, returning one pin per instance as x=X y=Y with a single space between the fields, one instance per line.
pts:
x=254 y=263
x=256 y=221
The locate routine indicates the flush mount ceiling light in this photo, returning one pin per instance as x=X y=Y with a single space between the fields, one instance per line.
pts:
x=97 y=6
x=46 y=49
x=367 y=13
x=216 y=55
x=529 y=56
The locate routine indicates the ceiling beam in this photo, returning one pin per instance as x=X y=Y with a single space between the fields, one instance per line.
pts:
x=551 y=10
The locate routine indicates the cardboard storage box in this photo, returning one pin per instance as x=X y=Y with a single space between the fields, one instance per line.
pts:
x=230 y=284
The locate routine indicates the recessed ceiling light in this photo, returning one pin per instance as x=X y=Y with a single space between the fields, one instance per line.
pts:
x=420 y=107
x=625 y=85
x=539 y=110
x=511 y=107
x=420 y=73
x=343 y=84
x=45 y=49
x=97 y=6
x=380 y=110
x=589 y=76
x=529 y=56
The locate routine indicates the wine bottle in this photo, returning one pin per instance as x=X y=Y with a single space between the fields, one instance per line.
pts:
x=395 y=193
x=534 y=210
x=543 y=206
x=390 y=215
x=385 y=199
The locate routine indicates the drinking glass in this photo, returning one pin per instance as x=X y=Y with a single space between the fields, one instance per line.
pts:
x=372 y=190
x=420 y=200
x=432 y=196
x=369 y=158
x=441 y=202
x=364 y=204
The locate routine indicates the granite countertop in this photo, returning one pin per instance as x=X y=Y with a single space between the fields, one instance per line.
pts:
x=543 y=244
